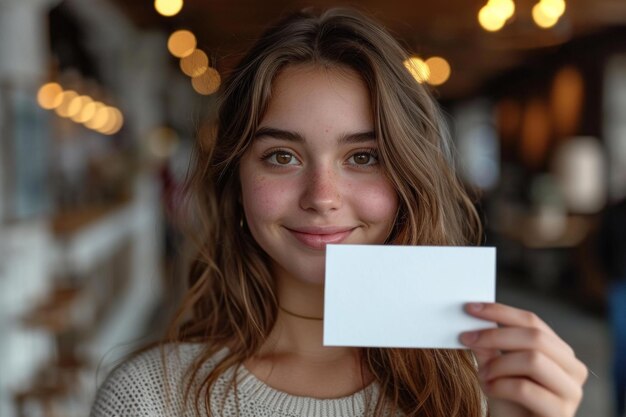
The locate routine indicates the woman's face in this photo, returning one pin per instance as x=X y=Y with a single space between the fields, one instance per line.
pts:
x=311 y=176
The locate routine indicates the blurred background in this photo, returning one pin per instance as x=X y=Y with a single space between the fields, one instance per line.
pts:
x=101 y=100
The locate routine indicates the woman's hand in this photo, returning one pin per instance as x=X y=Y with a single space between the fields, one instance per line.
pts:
x=524 y=367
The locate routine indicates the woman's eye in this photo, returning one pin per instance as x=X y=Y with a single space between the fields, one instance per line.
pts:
x=363 y=158
x=281 y=158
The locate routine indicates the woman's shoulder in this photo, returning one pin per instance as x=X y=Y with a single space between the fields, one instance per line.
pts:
x=150 y=382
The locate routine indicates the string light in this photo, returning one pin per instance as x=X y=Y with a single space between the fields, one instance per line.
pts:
x=439 y=70
x=195 y=64
x=49 y=96
x=547 y=13
x=168 y=8
x=495 y=14
x=181 y=43
x=100 y=117
x=418 y=68
x=82 y=115
x=112 y=120
x=490 y=19
x=66 y=98
x=553 y=8
x=207 y=83
x=119 y=122
x=82 y=109
x=503 y=8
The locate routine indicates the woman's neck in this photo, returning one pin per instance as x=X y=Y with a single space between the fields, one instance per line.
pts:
x=299 y=328
x=293 y=359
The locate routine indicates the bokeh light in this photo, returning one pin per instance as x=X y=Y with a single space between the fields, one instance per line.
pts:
x=63 y=109
x=76 y=106
x=489 y=19
x=181 y=43
x=439 y=70
x=94 y=115
x=99 y=119
x=552 y=8
x=418 y=68
x=163 y=142
x=49 y=95
x=81 y=116
x=502 y=8
x=119 y=122
x=207 y=83
x=542 y=19
x=112 y=122
x=168 y=8
x=88 y=111
x=195 y=64
x=567 y=98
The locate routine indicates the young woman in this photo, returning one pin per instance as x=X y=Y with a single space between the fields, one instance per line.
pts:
x=324 y=137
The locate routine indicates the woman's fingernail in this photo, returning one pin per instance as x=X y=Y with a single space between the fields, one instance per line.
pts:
x=475 y=306
x=468 y=338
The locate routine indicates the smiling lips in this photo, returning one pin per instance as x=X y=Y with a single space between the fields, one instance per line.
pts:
x=319 y=237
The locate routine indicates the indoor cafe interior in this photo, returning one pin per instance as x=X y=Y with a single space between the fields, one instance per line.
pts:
x=103 y=101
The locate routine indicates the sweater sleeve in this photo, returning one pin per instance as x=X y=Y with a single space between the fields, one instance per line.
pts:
x=134 y=389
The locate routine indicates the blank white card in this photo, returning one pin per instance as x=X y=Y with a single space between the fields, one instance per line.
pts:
x=404 y=296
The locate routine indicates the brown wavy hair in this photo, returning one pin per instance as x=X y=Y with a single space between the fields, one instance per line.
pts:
x=231 y=300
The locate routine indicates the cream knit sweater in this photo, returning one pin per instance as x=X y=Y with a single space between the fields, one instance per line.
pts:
x=138 y=389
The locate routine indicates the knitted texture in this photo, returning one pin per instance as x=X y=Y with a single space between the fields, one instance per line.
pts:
x=141 y=388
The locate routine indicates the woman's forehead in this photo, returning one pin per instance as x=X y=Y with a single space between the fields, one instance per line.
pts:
x=330 y=97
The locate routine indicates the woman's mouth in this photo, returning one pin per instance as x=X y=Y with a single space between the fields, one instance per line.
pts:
x=319 y=237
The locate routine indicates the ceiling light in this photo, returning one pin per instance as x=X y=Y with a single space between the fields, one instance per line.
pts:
x=541 y=19
x=502 y=8
x=439 y=70
x=181 y=43
x=207 y=83
x=418 y=68
x=66 y=98
x=552 y=8
x=195 y=64
x=49 y=96
x=489 y=19
x=168 y=8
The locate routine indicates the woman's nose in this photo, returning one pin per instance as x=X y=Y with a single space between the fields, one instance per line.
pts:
x=321 y=191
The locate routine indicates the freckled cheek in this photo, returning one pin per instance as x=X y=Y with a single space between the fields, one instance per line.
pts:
x=264 y=199
x=376 y=201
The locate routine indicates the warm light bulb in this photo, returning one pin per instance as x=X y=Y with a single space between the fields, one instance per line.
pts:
x=115 y=122
x=489 y=19
x=88 y=111
x=82 y=115
x=76 y=106
x=63 y=109
x=207 y=83
x=99 y=119
x=111 y=120
x=195 y=64
x=418 y=68
x=168 y=7
x=541 y=19
x=181 y=43
x=91 y=110
x=552 y=8
x=504 y=9
x=49 y=96
x=439 y=70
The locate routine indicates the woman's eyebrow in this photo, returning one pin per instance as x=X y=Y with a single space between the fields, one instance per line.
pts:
x=358 y=137
x=278 y=134
x=347 y=138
